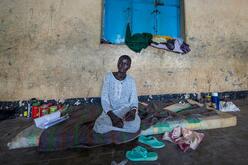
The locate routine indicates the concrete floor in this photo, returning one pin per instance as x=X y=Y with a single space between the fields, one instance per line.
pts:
x=220 y=146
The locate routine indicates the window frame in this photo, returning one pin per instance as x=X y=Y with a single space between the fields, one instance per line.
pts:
x=181 y=15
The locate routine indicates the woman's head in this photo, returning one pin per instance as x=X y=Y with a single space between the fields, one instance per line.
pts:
x=124 y=63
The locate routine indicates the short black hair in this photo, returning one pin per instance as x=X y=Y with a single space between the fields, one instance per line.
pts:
x=125 y=57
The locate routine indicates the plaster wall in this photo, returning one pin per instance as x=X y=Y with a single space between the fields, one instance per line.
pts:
x=50 y=49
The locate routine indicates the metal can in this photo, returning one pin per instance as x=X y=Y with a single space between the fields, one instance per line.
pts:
x=44 y=109
x=53 y=109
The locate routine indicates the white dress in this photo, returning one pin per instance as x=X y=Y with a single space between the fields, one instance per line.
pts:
x=119 y=97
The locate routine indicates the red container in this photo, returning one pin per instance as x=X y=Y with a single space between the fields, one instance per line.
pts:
x=35 y=112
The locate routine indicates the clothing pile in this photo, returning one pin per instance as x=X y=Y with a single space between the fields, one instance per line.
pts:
x=139 y=41
x=184 y=138
x=170 y=44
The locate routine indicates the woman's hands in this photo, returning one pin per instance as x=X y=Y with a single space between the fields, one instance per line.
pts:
x=116 y=121
x=130 y=116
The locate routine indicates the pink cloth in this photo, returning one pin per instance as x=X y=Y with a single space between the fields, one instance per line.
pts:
x=184 y=138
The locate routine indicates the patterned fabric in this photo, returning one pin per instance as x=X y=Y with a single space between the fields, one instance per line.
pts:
x=184 y=138
x=175 y=45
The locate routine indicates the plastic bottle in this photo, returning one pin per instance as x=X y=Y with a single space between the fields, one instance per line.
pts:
x=25 y=113
x=215 y=100
x=29 y=110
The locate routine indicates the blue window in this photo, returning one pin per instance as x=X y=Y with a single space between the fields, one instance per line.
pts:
x=158 y=17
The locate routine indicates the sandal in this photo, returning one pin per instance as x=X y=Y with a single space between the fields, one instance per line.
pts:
x=141 y=154
x=151 y=141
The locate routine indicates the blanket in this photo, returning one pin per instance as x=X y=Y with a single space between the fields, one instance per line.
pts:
x=78 y=130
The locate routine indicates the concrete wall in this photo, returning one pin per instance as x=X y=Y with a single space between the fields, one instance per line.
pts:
x=50 y=49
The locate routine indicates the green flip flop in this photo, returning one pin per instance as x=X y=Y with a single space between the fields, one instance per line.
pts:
x=141 y=154
x=151 y=141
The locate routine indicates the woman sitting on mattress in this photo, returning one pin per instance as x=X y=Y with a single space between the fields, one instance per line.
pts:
x=119 y=101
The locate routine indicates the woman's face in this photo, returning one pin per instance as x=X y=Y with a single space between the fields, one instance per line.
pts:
x=123 y=65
